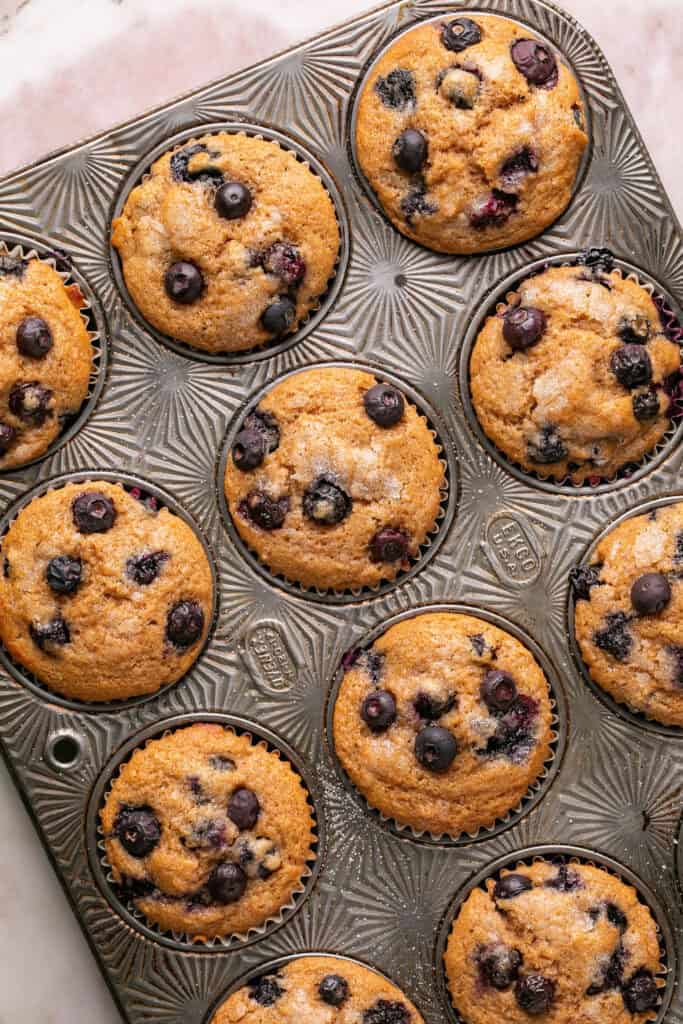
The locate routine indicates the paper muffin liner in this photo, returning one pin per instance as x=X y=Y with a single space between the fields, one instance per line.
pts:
x=430 y=545
x=496 y=300
x=323 y=303
x=124 y=905
x=538 y=787
x=665 y=977
x=629 y=714
x=148 y=492
x=91 y=315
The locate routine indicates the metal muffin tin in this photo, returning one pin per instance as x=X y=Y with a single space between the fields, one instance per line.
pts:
x=162 y=416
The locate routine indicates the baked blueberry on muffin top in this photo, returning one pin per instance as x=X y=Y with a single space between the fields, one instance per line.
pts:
x=228 y=243
x=470 y=131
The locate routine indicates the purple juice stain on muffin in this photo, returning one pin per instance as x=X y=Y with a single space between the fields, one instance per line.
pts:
x=415 y=203
x=615 y=637
x=492 y=209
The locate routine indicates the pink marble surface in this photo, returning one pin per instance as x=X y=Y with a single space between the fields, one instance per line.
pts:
x=71 y=69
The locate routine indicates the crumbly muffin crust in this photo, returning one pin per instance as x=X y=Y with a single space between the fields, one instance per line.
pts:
x=274 y=241
x=46 y=357
x=342 y=500
x=318 y=990
x=439 y=669
x=635 y=651
x=568 y=379
x=108 y=613
x=561 y=943
x=464 y=151
x=194 y=853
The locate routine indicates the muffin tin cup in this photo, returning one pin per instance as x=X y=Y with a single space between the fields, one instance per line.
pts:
x=93 y=318
x=352 y=120
x=445 y=516
x=630 y=715
x=101 y=869
x=325 y=302
x=26 y=678
x=487 y=307
x=539 y=786
x=564 y=854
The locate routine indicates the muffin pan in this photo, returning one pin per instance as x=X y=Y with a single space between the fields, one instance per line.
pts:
x=504 y=546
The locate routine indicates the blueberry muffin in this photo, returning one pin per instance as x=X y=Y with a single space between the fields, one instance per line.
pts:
x=208 y=831
x=470 y=131
x=103 y=595
x=628 y=614
x=46 y=357
x=334 y=480
x=228 y=243
x=561 y=942
x=318 y=990
x=443 y=723
x=569 y=379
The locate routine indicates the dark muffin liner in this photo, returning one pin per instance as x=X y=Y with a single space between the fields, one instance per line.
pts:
x=93 y=318
x=352 y=120
x=624 y=711
x=538 y=788
x=449 y=493
x=563 y=855
x=267 y=349
x=125 y=908
x=273 y=966
x=630 y=472
x=147 y=491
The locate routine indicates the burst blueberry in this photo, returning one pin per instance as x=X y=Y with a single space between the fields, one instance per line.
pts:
x=30 y=402
x=646 y=405
x=138 y=830
x=498 y=690
x=386 y=1011
x=184 y=624
x=333 y=990
x=378 y=710
x=615 y=636
x=499 y=965
x=7 y=436
x=517 y=167
x=93 y=512
x=326 y=503
x=492 y=209
x=582 y=579
x=535 y=61
x=535 y=994
x=263 y=511
x=64 y=574
x=389 y=545
x=640 y=993
x=548 y=448
x=432 y=708
x=650 y=593
x=233 y=200
x=384 y=404
x=415 y=203
x=265 y=990
x=397 y=90
x=410 y=151
x=285 y=261
x=635 y=330
x=144 y=569
x=459 y=34
x=435 y=748
x=34 y=337
x=50 y=634
x=631 y=365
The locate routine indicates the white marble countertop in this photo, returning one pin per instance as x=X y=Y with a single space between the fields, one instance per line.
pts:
x=71 y=69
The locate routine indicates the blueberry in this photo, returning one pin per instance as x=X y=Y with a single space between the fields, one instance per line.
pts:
x=34 y=337
x=265 y=512
x=431 y=708
x=137 y=830
x=30 y=402
x=535 y=61
x=548 y=448
x=232 y=200
x=12 y=265
x=646 y=404
x=184 y=282
x=227 y=883
x=6 y=568
x=326 y=503
x=635 y=330
x=566 y=880
x=640 y=993
x=631 y=365
x=55 y=633
x=499 y=965
x=459 y=34
x=459 y=86
x=93 y=512
x=64 y=574
x=615 y=636
x=498 y=690
x=509 y=886
x=435 y=748
x=517 y=167
x=244 y=808
x=582 y=579
x=535 y=994
x=265 y=990
x=180 y=163
x=386 y=1011
x=378 y=710
x=410 y=151
x=650 y=593
x=492 y=209
x=597 y=259
x=609 y=975
x=267 y=425
x=333 y=990
x=221 y=764
x=184 y=624
x=279 y=316
x=478 y=644
x=514 y=736
x=397 y=90
x=384 y=404
x=616 y=916
x=389 y=545
x=523 y=327
x=372 y=663
x=415 y=203
x=144 y=569
x=285 y=261
x=7 y=435
x=206 y=834
x=249 y=449
x=197 y=790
